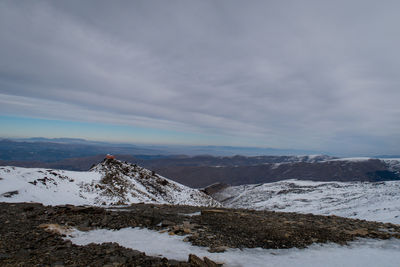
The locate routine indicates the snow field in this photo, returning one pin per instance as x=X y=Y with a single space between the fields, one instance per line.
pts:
x=362 y=253
x=362 y=200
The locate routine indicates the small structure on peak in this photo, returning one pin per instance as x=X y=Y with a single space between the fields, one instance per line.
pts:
x=109 y=156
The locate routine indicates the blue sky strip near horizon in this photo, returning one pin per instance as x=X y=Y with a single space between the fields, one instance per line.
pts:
x=310 y=75
x=24 y=127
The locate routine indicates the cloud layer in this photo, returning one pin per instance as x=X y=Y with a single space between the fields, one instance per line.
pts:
x=306 y=75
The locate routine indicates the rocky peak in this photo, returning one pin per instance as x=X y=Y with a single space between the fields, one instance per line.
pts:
x=124 y=182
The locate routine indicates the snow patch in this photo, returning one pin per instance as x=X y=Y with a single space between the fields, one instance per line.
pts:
x=365 y=252
x=192 y=214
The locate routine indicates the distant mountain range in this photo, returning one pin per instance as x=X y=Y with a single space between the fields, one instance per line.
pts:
x=196 y=171
x=46 y=151
x=202 y=171
x=326 y=170
x=131 y=149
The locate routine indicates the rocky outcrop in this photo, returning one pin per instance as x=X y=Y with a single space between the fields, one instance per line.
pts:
x=125 y=182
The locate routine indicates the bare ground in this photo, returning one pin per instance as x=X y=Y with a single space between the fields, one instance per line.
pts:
x=23 y=242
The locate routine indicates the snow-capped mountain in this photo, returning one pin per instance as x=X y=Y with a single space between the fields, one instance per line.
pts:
x=377 y=201
x=111 y=182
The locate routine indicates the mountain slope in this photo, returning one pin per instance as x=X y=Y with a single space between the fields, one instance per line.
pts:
x=377 y=201
x=111 y=182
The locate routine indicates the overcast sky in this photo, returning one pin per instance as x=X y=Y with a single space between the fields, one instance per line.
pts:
x=318 y=75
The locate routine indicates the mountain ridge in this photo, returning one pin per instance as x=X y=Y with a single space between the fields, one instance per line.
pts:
x=111 y=182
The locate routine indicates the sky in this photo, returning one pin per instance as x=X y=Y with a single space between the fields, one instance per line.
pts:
x=315 y=75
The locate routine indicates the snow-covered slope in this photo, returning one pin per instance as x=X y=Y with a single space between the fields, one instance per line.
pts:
x=111 y=182
x=379 y=201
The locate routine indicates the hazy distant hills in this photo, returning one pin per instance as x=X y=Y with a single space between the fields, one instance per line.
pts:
x=59 y=149
x=82 y=147
x=163 y=162
x=331 y=170
x=197 y=171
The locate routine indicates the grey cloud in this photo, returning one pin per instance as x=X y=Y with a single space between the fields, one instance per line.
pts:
x=303 y=75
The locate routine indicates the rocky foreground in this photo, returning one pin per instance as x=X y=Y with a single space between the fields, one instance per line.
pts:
x=27 y=240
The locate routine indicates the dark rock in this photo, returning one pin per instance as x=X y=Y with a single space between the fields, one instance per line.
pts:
x=196 y=261
x=211 y=263
x=167 y=223
x=4 y=256
x=214 y=188
x=131 y=253
x=10 y=194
